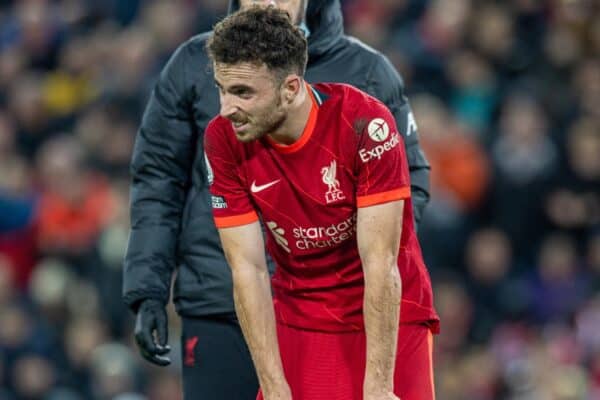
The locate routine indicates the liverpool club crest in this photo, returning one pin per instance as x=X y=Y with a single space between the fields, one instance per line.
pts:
x=329 y=175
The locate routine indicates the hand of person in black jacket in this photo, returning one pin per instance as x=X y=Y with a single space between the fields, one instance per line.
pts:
x=152 y=317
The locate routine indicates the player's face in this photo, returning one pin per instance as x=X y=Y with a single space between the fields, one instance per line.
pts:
x=293 y=7
x=250 y=98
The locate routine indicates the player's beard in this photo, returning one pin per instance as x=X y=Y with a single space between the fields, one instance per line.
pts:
x=265 y=121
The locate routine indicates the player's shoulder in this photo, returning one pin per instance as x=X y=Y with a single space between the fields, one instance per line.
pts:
x=350 y=99
x=358 y=110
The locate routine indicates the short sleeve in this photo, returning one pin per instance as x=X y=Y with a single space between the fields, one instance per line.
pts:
x=383 y=174
x=231 y=203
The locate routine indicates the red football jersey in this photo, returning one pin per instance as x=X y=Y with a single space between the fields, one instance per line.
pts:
x=350 y=155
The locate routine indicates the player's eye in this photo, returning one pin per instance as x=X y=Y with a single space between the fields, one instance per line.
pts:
x=244 y=93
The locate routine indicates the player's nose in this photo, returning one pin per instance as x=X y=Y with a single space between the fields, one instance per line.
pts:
x=228 y=106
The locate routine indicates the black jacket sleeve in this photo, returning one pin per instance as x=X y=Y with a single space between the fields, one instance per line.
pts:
x=160 y=173
x=388 y=86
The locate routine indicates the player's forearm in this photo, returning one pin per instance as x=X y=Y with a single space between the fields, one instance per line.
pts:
x=383 y=292
x=254 y=308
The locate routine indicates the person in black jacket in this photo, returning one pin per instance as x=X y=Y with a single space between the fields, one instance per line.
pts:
x=171 y=218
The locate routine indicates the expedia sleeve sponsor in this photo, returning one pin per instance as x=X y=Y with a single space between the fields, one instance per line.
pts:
x=218 y=202
x=382 y=169
x=376 y=152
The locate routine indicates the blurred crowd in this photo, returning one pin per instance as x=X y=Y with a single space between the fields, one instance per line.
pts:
x=507 y=98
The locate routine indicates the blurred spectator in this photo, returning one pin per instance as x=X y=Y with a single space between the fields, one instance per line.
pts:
x=496 y=293
x=456 y=310
x=75 y=204
x=16 y=330
x=558 y=286
x=165 y=387
x=574 y=201
x=114 y=371
x=493 y=34
x=68 y=88
x=207 y=14
x=130 y=396
x=588 y=323
x=586 y=86
x=459 y=165
x=33 y=376
x=7 y=281
x=593 y=259
x=82 y=336
x=168 y=33
x=107 y=135
x=460 y=173
x=474 y=94
x=12 y=63
x=26 y=104
x=38 y=29
x=370 y=19
x=525 y=160
x=130 y=66
x=61 y=393
x=49 y=286
x=17 y=205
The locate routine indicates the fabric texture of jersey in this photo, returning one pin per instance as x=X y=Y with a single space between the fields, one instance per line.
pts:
x=350 y=155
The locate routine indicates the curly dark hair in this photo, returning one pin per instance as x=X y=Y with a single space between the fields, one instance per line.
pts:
x=261 y=35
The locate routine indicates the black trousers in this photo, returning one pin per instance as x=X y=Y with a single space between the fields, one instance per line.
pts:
x=216 y=361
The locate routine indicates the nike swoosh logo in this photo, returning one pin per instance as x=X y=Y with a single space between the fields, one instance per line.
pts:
x=255 y=189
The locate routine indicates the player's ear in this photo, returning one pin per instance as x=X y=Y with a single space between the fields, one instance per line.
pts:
x=291 y=87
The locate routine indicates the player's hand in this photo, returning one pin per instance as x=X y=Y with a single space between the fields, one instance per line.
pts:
x=152 y=318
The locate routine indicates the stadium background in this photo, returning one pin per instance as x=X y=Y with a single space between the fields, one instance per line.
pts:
x=507 y=98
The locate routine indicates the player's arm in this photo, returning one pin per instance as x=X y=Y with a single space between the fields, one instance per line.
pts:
x=378 y=233
x=244 y=250
x=243 y=245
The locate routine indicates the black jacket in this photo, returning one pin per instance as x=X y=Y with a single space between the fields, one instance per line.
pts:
x=172 y=227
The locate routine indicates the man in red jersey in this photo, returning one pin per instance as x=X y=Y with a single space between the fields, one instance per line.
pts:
x=324 y=167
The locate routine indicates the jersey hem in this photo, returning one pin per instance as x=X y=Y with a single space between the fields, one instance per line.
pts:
x=383 y=197
x=236 y=220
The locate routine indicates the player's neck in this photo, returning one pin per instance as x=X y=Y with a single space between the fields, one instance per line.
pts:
x=293 y=127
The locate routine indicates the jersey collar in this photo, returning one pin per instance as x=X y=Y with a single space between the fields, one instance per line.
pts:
x=316 y=101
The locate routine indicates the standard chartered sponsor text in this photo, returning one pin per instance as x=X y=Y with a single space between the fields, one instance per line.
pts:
x=325 y=236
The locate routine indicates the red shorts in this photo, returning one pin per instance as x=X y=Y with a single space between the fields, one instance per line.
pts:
x=331 y=366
